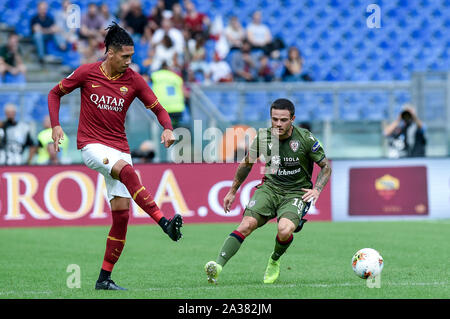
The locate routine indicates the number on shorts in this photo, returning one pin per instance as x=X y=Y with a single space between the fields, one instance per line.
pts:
x=299 y=204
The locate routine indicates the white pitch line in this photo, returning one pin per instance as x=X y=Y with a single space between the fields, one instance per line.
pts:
x=345 y=284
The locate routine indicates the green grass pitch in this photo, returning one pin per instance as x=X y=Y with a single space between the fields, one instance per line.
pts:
x=34 y=261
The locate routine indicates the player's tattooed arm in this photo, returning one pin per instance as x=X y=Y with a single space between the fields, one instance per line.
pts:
x=242 y=172
x=311 y=195
x=324 y=174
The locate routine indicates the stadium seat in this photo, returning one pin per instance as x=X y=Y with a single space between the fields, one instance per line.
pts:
x=351 y=105
x=349 y=112
x=5 y=98
x=434 y=105
x=256 y=106
x=227 y=103
x=230 y=98
x=230 y=112
x=40 y=107
x=14 y=79
x=214 y=96
x=375 y=113
x=72 y=59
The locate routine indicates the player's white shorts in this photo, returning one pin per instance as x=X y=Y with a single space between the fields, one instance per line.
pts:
x=102 y=158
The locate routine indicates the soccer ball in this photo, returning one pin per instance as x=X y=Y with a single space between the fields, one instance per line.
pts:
x=367 y=263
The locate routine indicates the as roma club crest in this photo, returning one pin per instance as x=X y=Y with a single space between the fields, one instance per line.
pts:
x=387 y=186
x=124 y=90
x=294 y=145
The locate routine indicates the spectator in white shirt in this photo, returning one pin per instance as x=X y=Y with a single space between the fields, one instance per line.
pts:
x=174 y=34
x=164 y=52
x=220 y=70
x=258 y=34
x=197 y=56
x=235 y=33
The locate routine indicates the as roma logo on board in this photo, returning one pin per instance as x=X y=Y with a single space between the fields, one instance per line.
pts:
x=387 y=186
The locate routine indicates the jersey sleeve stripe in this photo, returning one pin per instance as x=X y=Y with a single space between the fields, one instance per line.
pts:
x=153 y=105
x=321 y=159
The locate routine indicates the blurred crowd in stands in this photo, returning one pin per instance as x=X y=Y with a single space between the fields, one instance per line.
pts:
x=196 y=46
x=174 y=43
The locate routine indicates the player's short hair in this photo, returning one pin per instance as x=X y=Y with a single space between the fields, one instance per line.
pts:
x=283 y=104
x=116 y=37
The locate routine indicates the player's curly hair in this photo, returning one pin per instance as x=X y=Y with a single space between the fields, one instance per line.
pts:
x=116 y=37
x=283 y=104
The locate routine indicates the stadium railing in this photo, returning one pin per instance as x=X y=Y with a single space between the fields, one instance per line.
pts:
x=347 y=117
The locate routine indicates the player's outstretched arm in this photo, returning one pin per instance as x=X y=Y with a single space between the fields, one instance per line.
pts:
x=321 y=181
x=242 y=172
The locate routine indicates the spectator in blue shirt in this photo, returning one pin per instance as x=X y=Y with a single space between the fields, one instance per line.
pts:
x=43 y=29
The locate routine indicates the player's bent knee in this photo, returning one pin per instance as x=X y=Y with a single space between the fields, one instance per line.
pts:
x=247 y=226
x=117 y=168
x=285 y=229
x=120 y=203
x=284 y=233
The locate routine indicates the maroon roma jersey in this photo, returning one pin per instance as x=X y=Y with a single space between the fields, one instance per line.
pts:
x=104 y=103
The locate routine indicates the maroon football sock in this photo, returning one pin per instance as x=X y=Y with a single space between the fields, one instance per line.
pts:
x=116 y=239
x=139 y=193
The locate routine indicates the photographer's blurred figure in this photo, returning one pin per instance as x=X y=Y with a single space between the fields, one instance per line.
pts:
x=15 y=137
x=145 y=153
x=406 y=135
